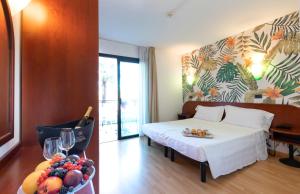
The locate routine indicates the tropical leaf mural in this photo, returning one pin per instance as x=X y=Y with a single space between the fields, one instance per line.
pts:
x=261 y=43
x=243 y=45
x=237 y=88
x=288 y=23
x=227 y=73
x=247 y=77
x=228 y=69
x=285 y=71
x=207 y=82
x=295 y=100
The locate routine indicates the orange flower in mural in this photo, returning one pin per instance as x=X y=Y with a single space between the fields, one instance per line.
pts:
x=194 y=51
x=273 y=93
x=201 y=58
x=185 y=67
x=199 y=94
x=213 y=92
x=248 y=62
x=230 y=42
x=185 y=59
x=298 y=89
x=227 y=58
x=278 y=35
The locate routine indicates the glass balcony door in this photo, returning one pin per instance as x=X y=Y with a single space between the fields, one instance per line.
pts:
x=129 y=98
x=108 y=102
x=119 y=97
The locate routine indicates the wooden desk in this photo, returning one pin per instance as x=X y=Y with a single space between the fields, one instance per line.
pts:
x=291 y=137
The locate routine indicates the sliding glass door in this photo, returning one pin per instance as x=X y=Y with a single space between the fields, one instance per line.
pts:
x=108 y=102
x=119 y=97
x=129 y=98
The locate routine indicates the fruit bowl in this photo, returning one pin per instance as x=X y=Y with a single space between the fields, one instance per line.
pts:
x=60 y=175
x=77 y=188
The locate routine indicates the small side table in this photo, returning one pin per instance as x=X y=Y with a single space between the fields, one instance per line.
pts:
x=291 y=137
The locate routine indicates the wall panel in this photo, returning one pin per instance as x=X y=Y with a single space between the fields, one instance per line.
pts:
x=59 y=65
x=260 y=65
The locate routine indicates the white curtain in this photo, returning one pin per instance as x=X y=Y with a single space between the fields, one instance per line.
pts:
x=148 y=110
x=143 y=102
x=152 y=86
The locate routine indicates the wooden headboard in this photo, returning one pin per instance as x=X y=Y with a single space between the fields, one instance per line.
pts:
x=284 y=114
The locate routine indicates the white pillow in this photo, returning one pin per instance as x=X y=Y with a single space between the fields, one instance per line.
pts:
x=209 y=113
x=246 y=117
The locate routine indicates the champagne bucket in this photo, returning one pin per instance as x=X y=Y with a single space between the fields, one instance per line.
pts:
x=83 y=134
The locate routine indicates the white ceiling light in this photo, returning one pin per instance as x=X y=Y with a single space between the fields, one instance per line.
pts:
x=17 y=5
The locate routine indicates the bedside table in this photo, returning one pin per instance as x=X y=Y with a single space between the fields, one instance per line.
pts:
x=291 y=137
x=182 y=116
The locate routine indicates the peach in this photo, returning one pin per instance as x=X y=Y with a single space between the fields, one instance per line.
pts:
x=50 y=185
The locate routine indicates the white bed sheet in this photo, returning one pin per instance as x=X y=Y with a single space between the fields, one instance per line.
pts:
x=158 y=131
x=232 y=148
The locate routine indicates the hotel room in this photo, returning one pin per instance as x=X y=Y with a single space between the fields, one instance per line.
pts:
x=149 y=97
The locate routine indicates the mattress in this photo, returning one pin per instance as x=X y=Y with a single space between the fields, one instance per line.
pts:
x=232 y=148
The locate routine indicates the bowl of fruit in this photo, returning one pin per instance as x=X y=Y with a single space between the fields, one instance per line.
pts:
x=61 y=175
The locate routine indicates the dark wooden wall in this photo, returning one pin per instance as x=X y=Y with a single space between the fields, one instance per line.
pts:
x=283 y=114
x=59 y=66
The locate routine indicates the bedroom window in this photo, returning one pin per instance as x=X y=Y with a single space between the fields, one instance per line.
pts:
x=119 y=97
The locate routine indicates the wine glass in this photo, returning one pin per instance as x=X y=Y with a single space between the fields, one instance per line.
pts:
x=52 y=146
x=68 y=139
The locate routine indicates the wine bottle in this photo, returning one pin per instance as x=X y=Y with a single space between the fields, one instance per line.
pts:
x=84 y=119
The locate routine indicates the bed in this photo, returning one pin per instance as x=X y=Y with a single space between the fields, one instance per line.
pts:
x=233 y=147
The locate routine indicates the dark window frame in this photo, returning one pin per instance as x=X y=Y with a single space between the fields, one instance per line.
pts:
x=119 y=60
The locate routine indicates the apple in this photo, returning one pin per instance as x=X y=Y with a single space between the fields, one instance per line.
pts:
x=50 y=185
x=73 y=178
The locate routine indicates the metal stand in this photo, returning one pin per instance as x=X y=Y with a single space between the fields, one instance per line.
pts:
x=290 y=161
x=166 y=151
x=203 y=165
x=172 y=155
x=203 y=171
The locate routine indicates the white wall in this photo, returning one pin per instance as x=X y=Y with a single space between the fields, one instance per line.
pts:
x=4 y=149
x=118 y=48
x=169 y=82
x=169 y=78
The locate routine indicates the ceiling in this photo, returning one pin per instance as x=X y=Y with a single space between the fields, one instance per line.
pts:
x=194 y=22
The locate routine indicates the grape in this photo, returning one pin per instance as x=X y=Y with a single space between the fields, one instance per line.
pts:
x=59 y=172
x=89 y=171
x=63 y=190
x=82 y=182
x=71 y=189
x=84 y=169
x=55 y=165
x=88 y=163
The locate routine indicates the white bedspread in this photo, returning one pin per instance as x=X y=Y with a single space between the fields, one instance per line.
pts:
x=232 y=148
